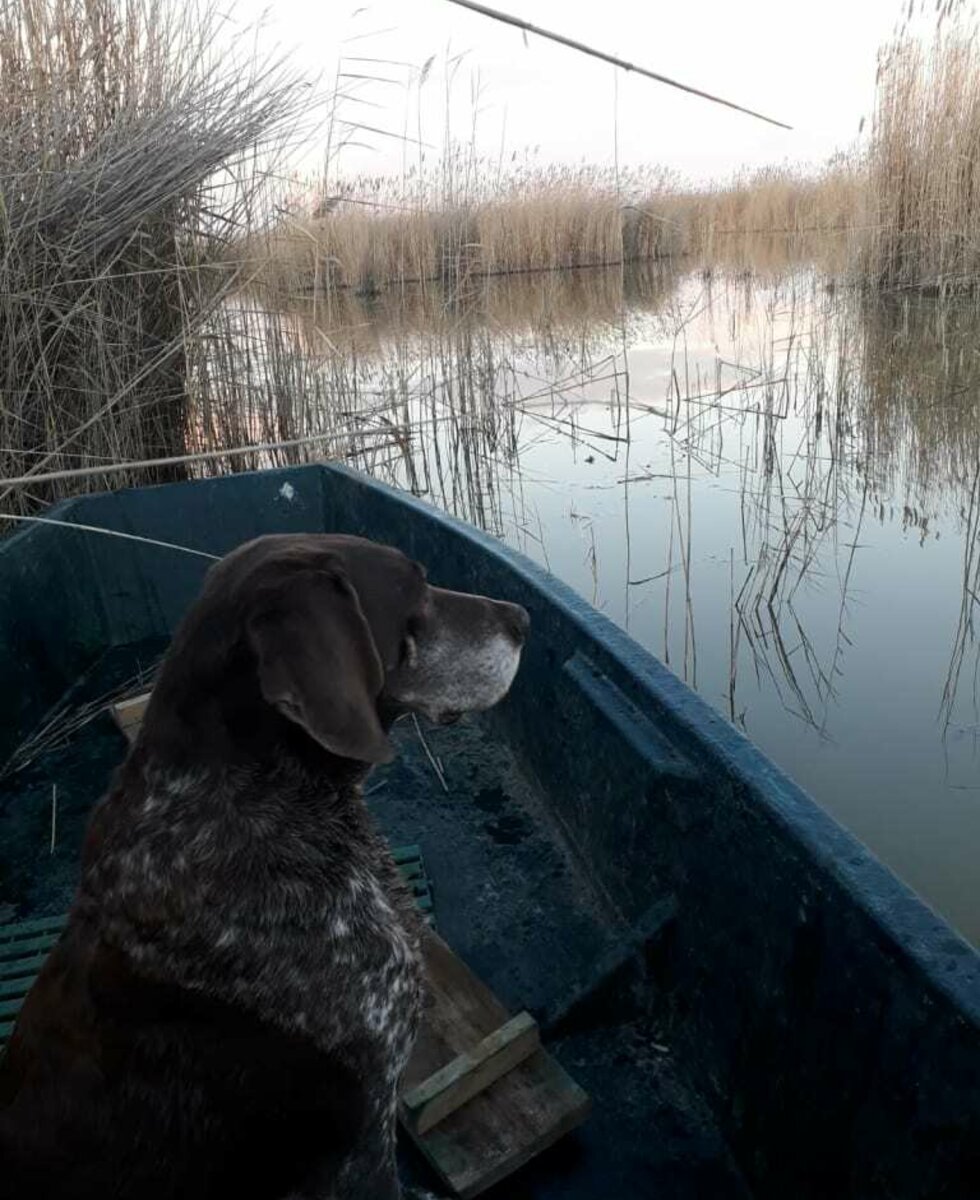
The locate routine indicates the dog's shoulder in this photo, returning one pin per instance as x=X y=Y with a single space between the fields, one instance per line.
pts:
x=270 y=894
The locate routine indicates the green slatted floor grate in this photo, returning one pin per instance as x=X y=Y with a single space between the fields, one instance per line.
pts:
x=25 y=946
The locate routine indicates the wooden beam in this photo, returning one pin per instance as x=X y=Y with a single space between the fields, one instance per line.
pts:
x=510 y=1121
x=470 y=1073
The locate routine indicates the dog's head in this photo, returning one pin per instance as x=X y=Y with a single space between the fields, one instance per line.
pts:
x=342 y=635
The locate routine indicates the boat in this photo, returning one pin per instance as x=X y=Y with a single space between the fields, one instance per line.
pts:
x=755 y=1005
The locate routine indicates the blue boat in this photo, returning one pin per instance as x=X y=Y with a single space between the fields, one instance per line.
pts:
x=756 y=1006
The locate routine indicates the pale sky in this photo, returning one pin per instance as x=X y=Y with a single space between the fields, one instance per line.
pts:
x=811 y=65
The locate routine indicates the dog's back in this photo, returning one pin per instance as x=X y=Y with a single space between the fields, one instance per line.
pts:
x=164 y=1095
x=202 y=1032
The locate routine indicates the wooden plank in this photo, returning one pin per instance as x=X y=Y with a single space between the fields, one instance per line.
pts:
x=25 y=929
x=27 y=946
x=460 y=1012
x=129 y=714
x=470 y=1073
x=22 y=967
x=16 y=987
x=505 y=1127
x=516 y=1117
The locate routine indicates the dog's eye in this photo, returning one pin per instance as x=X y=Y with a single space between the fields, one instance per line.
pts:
x=409 y=653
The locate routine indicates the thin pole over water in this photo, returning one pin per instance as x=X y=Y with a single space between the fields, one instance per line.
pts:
x=519 y=23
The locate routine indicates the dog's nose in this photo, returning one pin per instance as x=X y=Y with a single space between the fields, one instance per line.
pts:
x=518 y=622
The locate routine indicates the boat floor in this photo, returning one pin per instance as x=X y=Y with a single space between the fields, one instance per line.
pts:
x=509 y=898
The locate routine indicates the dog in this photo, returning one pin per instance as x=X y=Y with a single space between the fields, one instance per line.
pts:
x=231 y=1005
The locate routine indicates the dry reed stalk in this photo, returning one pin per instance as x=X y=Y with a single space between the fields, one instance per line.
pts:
x=120 y=124
x=924 y=163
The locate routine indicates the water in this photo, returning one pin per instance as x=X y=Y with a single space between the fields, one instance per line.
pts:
x=771 y=483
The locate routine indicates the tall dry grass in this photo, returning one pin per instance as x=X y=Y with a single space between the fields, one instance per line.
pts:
x=463 y=219
x=373 y=234
x=783 y=200
x=924 y=164
x=124 y=142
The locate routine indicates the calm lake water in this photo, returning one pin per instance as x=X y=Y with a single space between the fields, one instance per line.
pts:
x=772 y=484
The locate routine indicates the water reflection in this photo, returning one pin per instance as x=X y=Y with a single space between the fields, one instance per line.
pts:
x=554 y=309
x=773 y=483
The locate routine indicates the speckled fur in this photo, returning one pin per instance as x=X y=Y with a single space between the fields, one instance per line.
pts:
x=264 y=905
x=236 y=995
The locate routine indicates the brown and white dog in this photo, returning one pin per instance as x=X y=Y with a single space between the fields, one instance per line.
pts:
x=232 y=1003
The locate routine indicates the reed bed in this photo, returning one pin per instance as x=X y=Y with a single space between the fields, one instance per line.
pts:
x=786 y=201
x=924 y=163
x=124 y=134
x=464 y=220
x=371 y=235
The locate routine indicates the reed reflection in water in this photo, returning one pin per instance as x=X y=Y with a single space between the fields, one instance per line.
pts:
x=773 y=483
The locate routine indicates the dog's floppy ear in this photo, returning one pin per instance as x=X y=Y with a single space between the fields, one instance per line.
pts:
x=318 y=664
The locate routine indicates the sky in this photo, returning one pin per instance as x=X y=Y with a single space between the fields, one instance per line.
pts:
x=810 y=65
